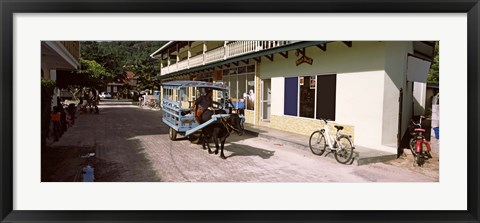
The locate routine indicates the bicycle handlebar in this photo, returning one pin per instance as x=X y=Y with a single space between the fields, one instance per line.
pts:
x=325 y=120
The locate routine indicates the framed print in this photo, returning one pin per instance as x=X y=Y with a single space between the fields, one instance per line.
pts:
x=29 y=27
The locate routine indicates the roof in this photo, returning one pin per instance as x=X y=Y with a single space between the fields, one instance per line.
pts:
x=432 y=85
x=115 y=84
x=293 y=46
x=161 y=48
x=130 y=74
x=202 y=84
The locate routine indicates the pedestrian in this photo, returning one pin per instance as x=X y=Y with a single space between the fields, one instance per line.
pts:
x=96 y=100
x=69 y=120
x=80 y=104
x=63 y=118
x=55 y=119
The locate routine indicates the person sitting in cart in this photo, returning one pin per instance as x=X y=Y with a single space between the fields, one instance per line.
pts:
x=202 y=103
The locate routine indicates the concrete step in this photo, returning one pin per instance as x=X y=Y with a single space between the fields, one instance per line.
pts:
x=361 y=156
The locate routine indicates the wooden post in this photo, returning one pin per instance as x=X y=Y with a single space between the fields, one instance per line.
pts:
x=178 y=57
x=189 y=54
x=204 y=50
x=168 y=60
x=225 y=50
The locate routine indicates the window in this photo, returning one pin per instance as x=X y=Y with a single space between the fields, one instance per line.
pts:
x=226 y=80
x=242 y=70
x=250 y=100
x=307 y=96
x=233 y=87
x=242 y=85
x=326 y=96
x=251 y=69
x=300 y=95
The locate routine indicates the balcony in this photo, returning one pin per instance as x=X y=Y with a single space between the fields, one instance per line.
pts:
x=231 y=50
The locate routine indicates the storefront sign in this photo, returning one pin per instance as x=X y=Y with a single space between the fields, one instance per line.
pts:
x=304 y=59
x=312 y=83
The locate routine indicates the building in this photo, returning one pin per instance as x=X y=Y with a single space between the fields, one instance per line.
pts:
x=373 y=88
x=59 y=57
x=127 y=81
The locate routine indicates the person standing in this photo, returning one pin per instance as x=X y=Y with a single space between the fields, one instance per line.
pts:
x=96 y=100
x=90 y=101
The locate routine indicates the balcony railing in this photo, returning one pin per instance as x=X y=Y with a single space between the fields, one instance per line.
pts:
x=196 y=61
x=182 y=65
x=215 y=55
x=231 y=50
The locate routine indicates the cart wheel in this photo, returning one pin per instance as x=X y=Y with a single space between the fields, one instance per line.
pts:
x=194 y=138
x=173 y=134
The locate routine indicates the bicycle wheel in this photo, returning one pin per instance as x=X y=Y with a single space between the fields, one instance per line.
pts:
x=419 y=160
x=344 y=151
x=412 y=145
x=425 y=153
x=317 y=143
x=422 y=155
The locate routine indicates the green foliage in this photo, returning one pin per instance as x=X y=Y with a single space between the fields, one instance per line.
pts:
x=117 y=57
x=47 y=89
x=94 y=69
x=433 y=74
x=92 y=74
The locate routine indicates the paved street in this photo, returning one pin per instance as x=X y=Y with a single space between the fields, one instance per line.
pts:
x=132 y=144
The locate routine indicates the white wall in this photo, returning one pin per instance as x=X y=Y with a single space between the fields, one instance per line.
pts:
x=360 y=103
x=339 y=58
x=278 y=91
x=396 y=70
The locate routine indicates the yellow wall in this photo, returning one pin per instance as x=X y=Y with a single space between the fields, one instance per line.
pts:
x=305 y=126
x=249 y=115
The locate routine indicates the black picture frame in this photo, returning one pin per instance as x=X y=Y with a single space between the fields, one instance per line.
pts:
x=9 y=7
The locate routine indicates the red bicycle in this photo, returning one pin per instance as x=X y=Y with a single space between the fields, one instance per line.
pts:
x=419 y=146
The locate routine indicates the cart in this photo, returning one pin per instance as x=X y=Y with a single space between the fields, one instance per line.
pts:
x=178 y=98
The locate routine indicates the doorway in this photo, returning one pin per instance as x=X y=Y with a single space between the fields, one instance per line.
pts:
x=265 y=99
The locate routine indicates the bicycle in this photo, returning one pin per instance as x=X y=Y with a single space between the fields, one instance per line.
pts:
x=342 y=146
x=418 y=144
x=154 y=103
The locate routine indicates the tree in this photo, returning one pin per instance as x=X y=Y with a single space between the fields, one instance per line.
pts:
x=117 y=57
x=95 y=74
x=433 y=74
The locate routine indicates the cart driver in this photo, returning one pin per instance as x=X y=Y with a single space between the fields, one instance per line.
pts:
x=202 y=103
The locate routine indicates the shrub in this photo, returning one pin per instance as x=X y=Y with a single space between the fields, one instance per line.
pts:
x=47 y=89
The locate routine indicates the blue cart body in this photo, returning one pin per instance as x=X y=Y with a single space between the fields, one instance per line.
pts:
x=177 y=105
